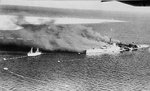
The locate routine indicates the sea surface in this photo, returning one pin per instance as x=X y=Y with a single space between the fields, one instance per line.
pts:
x=129 y=71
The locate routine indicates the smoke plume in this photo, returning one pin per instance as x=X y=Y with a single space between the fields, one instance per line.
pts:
x=63 y=37
x=59 y=37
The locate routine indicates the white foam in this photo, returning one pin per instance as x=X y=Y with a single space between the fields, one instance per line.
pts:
x=111 y=49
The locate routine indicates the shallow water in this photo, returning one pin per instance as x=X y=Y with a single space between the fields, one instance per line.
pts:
x=76 y=72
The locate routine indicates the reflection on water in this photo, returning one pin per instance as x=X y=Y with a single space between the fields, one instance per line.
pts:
x=77 y=72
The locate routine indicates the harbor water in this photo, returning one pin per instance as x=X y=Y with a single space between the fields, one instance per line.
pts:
x=129 y=71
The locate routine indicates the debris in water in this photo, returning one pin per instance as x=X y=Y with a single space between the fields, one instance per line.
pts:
x=5 y=68
x=4 y=59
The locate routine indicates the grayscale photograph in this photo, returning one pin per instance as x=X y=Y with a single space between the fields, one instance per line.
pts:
x=74 y=45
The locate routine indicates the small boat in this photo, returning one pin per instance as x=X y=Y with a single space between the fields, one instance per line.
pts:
x=36 y=53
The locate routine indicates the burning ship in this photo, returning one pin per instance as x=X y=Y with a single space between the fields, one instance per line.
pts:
x=115 y=48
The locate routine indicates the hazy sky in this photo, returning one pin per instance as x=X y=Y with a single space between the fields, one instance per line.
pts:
x=77 y=4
